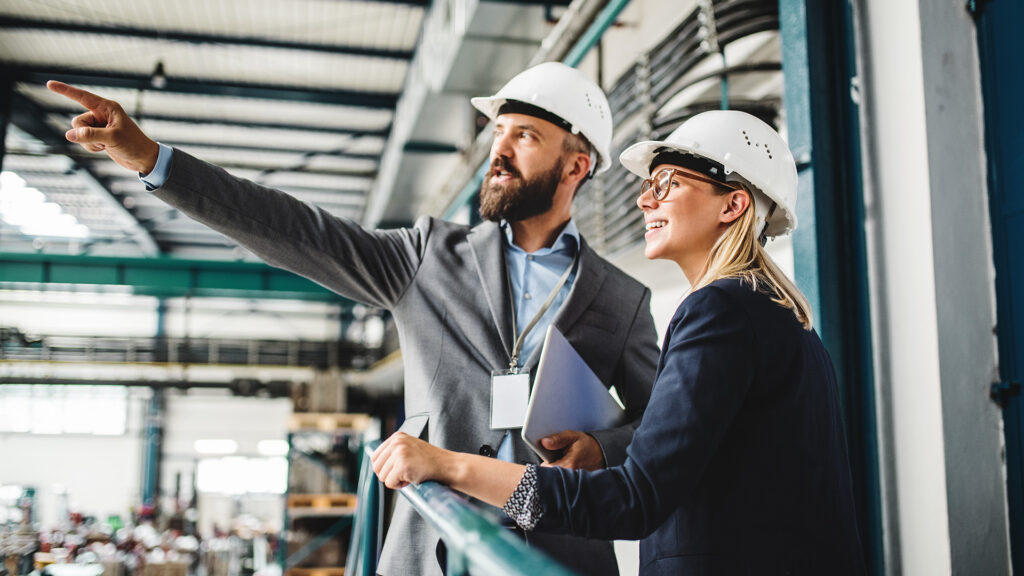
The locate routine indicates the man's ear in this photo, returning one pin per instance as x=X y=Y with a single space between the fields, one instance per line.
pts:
x=579 y=167
x=737 y=202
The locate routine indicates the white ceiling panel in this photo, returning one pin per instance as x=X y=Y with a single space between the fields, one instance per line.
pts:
x=221 y=108
x=329 y=22
x=223 y=63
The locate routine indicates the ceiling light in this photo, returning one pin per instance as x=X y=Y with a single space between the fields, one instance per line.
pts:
x=216 y=446
x=272 y=447
x=28 y=209
x=159 y=79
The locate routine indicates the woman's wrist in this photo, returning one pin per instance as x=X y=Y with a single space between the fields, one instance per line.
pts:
x=452 y=469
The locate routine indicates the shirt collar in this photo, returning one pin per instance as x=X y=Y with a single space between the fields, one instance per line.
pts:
x=568 y=239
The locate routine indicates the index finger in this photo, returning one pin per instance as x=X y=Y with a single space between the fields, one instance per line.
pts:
x=87 y=99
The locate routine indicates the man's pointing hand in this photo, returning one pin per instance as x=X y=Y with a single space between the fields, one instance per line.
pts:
x=105 y=127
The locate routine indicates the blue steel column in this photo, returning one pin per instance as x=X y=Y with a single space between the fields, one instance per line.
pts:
x=154 y=428
x=822 y=121
x=152 y=447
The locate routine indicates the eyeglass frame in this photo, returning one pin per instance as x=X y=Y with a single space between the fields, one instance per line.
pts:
x=649 y=183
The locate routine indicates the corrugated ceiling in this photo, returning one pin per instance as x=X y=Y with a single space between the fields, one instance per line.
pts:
x=299 y=95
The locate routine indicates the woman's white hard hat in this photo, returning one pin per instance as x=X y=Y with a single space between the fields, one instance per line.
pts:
x=750 y=152
x=568 y=94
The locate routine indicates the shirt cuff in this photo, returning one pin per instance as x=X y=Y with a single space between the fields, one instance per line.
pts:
x=523 y=506
x=158 y=177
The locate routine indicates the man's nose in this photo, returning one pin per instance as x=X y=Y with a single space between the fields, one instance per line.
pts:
x=502 y=146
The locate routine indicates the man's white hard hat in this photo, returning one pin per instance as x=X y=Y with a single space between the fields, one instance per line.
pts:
x=566 y=93
x=744 y=150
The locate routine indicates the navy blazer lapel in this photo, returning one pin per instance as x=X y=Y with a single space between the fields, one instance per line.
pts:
x=486 y=244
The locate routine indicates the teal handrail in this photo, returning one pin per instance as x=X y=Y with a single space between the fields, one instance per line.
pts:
x=476 y=543
x=365 y=543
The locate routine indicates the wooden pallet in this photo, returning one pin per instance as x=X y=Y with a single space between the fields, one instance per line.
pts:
x=338 y=500
x=328 y=422
x=332 y=571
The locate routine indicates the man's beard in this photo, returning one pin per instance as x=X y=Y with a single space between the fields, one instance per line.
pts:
x=518 y=199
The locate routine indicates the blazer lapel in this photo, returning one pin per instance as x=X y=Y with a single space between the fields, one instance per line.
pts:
x=585 y=288
x=486 y=244
x=589 y=278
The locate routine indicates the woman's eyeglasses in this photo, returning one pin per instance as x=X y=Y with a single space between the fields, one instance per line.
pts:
x=661 y=182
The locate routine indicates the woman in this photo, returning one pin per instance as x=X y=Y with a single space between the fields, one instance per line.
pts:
x=739 y=465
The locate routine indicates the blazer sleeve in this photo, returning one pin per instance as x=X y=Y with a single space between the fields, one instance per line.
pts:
x=373 y=267
x=633 y=381
x=696 y=397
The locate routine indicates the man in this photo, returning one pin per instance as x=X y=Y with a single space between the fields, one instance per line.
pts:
x=463 y=299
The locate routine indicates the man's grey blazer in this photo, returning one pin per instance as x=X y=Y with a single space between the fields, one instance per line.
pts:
x=446 y=286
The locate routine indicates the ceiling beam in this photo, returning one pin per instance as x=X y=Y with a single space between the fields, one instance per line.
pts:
x=354 y=132
x=165 y=277
x=272 y=150
x=298 y=169
x=39 y=76
x=156 y=35
x=531 y=2
x=428 y=147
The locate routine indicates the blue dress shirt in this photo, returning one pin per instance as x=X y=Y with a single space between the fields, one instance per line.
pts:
x=158 y=176
x=533 y=275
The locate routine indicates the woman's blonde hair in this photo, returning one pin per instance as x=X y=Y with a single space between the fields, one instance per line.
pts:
x=738 y=254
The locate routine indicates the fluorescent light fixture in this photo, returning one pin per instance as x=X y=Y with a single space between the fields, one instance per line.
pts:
x=28 y=209
x=10 y=493
x=235 y=475
x=216 y=446
x=272 y=447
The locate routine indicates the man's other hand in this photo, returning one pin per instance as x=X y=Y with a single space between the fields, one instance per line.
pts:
x=580 y=450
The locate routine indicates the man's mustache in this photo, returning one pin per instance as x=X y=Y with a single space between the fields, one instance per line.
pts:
x=502 y=164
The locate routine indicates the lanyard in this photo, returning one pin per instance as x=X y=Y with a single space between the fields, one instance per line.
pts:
x=513 y=364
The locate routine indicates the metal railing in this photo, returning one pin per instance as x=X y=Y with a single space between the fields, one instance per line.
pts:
x=476 y=543
x=365 y=543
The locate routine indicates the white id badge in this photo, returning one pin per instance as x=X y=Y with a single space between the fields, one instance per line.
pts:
x=510 y=395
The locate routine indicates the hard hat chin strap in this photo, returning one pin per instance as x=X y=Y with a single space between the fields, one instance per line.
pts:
x=762 y=236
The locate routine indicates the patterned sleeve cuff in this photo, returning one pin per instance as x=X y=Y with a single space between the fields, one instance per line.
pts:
x=523 y=506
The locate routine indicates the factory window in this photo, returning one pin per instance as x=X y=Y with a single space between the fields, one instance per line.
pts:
x=39 y=409
x=240 y=475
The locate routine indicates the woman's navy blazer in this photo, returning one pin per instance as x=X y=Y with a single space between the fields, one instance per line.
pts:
x=739 y=465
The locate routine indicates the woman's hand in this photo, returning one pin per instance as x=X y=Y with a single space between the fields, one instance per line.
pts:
x=402 y=460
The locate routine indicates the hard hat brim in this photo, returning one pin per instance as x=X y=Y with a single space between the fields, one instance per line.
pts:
x=487 y=105
x=638 y=157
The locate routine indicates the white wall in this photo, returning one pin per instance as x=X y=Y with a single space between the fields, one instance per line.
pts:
x=912 y=384
x=100 y=475
x=216 y=414
x=932 y=290
x=120 y=313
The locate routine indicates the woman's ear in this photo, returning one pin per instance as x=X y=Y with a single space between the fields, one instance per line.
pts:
x=737 y=202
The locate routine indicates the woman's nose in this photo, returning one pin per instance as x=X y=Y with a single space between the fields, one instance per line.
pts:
x=646 y=200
